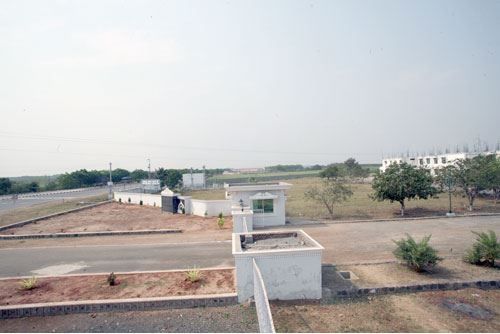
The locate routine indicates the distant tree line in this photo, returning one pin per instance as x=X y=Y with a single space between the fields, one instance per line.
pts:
x=88 y=178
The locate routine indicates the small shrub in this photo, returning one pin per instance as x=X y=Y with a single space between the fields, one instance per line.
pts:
x=418 y=255
x=129 y=200
x=220 y=220
x=112 y=279
x=485 y=250
x=140 y=202
x=120 y=200
x=29 y=283
x=193 y=275
x=206 y=213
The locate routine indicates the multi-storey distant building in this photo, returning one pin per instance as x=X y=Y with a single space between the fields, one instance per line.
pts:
x=432 y=162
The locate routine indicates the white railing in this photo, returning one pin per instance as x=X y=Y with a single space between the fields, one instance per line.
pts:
x=266 y=324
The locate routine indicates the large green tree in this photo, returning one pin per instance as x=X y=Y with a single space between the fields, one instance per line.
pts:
x=469 y=175
x=490 y=175
x=169 y=177
x=5 y=185
x=401 y=182
x=138 y=175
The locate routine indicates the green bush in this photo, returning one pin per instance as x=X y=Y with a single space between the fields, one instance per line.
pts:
x=193 y=275
x=418 y=255
x=485 y=250
x=29 y=283
x=220 y=220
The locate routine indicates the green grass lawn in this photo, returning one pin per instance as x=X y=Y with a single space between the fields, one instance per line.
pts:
x=38 y=210
x=360 y=205
x=261 y=176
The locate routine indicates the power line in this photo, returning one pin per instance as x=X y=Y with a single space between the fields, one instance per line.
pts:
x=196 y=148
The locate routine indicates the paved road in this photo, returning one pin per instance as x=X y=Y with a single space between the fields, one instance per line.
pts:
x=118 y=258
x=344 y=243
x=372 y=241
x=26 y=200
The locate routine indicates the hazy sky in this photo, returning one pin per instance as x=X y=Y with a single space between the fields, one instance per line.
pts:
x=242 y=83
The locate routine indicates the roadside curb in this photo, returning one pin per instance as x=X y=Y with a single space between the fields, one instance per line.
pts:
x=117 y=273
x=319 y=222
x=110 y=305
x=410 y=288
x=30 y=221
x=86 y=234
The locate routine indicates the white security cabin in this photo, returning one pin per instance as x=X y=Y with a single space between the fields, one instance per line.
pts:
x=265 y=199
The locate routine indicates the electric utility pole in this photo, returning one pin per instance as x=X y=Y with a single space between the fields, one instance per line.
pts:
x=149 y=169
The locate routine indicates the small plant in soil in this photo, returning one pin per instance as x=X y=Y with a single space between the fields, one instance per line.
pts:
x=419 y=256
x=193 y=275
x=220 y=220
x=112 y=281
x=485 y=250
x=29 y=283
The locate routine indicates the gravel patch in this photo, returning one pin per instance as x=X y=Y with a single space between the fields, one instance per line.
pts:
x=237 y=318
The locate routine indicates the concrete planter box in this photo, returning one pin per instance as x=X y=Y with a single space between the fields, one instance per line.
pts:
x=289 y=261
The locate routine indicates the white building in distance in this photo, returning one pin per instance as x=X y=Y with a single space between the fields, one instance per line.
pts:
x=433 y=162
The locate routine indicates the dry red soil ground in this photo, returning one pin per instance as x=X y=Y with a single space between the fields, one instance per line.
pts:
x=122 y=217
x=469 y=310
x=92 y=287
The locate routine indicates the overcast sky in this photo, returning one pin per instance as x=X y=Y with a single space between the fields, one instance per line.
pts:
x=242 y=83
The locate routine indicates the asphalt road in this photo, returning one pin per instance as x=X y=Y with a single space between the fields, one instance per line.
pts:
x=26 y=200
x=118 y=258
x=343 y=243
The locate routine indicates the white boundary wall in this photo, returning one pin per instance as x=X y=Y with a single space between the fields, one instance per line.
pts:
x=135 y=198
x=193 y=206
x=212 y=208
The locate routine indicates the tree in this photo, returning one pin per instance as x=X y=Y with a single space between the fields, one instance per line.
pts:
x=5 y=186
x=118 y=174
x=490 y=175
x=468 y=174
x=403 y=181
x=33 y=187
x=354 y=169
x=138 y=175
x=333 y=172
x=169 y=177
x=332 y=191
x=445 y=180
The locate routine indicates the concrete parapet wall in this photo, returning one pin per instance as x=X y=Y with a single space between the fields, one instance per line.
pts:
x=211 y=208
x=136 y=198
x=288 y=274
